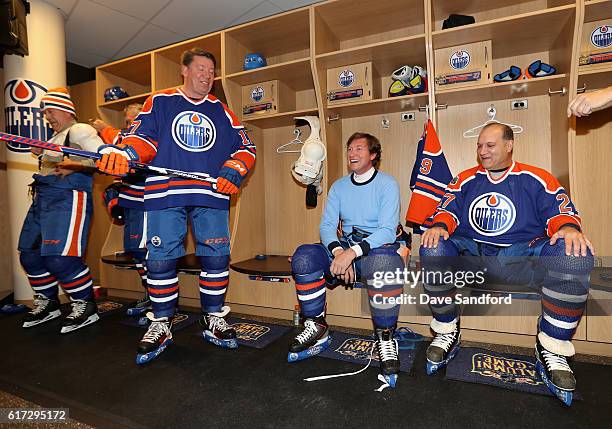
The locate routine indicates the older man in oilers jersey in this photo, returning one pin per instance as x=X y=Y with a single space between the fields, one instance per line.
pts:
x=502 y=209
x=186 y=129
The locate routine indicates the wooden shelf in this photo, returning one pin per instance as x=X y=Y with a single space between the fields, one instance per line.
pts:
x=121 y=103
x=513 y=35
x=502 y=91
x=280 y=119
x=279 y=39
x=297 y=74
x=596 y=10
x=135 y=69
x=386 y=56
x=343 y=25
x=487 y=10
x=595 y=78
x=379 y=106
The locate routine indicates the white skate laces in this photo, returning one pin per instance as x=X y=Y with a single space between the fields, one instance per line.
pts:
x=78 y=308
x=40 y=303
x=444 y=341
x=157 y=328
x=387 y=350
x=310 y=330
x=555 y=362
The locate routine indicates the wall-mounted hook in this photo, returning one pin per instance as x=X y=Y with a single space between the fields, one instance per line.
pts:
x=581 y=90
x=333 y=118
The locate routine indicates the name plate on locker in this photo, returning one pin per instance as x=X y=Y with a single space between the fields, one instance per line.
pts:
x=350 y=83
x=259 y=99
x=596 y=45
x=466 y=65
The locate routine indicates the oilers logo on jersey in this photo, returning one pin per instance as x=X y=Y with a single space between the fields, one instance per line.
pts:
x=492 y=214
x=193 y=131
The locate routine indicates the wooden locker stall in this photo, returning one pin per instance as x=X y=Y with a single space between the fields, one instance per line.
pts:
x=270 y=216
x=513 y=28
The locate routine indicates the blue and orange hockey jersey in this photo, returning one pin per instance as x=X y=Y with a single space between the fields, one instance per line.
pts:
x=174 y=131
x=525 y=203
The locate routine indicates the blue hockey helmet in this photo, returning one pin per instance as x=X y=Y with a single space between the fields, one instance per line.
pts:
x=115 y=93
x=254 y=61
x=110 y=197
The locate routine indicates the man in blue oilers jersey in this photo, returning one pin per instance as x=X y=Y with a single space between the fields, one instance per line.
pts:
x=498 y=211
x=187 y=129
x=366 y=203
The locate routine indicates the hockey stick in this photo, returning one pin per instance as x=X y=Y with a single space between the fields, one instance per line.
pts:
x=160 y=171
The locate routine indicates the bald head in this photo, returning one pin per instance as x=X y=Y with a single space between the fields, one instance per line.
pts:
x=495 y=146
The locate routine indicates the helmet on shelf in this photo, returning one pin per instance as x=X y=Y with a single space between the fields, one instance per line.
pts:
x=115 y=93
x=254 y=61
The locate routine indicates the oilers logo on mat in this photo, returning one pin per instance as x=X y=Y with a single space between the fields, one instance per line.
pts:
x=346 y=78
x=257 y=93
x=492 y=214
x=357 y=348
x=601 y=37
x=23 y=114
x=178 y=318
x=459 y=60
x=106 y=306
x=250 y=331
x=193 y=131
x=505 y=369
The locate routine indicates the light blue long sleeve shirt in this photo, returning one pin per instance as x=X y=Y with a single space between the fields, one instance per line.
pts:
x=372 y=206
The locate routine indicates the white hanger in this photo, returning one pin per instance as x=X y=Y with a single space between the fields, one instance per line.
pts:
x=474 y=132
x=296 y=140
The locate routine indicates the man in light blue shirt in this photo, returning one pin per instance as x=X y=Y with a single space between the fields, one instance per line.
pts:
x=366 y=203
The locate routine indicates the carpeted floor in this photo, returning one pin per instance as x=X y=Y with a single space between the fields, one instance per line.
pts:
x=193 y=384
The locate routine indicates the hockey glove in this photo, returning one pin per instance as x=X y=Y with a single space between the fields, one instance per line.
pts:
x=116 y=160
x=230 y=176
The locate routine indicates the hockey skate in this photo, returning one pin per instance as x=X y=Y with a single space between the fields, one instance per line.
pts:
x=556 y=373
x=155 y=340
x=313 y=339
x=83 y=313
x=217 y=331
x=387 y=349
x=45 y=309
x=442 y=349
x=141 y=306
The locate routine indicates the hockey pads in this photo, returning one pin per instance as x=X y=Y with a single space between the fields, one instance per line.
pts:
x=115 y=159
x=85 y=137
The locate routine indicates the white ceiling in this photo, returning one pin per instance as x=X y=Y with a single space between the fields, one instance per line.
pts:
x=100 y=31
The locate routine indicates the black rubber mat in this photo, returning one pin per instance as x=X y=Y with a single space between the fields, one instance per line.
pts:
x=194 y=384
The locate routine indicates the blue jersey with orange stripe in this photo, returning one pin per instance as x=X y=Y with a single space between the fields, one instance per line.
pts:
x=131 y=194
x=174 y=131
x=524 y=203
